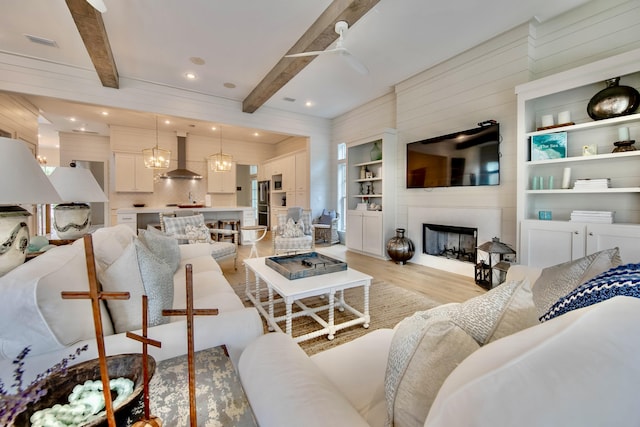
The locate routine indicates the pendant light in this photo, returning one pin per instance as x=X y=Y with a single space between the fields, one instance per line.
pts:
x=220 y=162
x=156 y=158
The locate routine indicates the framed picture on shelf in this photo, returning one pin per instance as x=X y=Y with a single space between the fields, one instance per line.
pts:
x=549 y=146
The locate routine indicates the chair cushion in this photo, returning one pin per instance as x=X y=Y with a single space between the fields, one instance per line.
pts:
x=621 y=280
x=557 y=281
x=222 y=249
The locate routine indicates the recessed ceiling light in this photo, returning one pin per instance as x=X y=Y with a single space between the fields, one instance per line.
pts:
x=105 y=113
x=229 y=85
x=190 y=76
x=213 y=128
x=256 y=134
x=167 y=122
x=308 y=104
x=197 y=60
x=72 y=119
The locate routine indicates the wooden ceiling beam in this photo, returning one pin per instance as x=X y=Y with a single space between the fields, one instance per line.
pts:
x=318 y=37
x=91 y=27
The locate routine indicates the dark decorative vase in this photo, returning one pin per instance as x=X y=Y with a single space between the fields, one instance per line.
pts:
x=376 y=152
x=613 y=101
x=400 y=248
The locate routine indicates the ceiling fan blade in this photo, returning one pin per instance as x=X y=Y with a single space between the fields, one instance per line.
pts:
x=355 y=62
x=98 y=5
x=299 y=55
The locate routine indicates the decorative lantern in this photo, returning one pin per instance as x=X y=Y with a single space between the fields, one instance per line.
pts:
x=495 y=250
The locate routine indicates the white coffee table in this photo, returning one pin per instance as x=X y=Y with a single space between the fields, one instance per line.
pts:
x=293 y=291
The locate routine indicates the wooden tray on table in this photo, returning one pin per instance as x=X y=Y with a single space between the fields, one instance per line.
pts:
x=304 y=265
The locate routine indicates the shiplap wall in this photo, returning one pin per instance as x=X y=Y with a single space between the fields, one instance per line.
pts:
x=478 y=85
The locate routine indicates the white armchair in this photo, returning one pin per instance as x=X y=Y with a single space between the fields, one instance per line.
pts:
x=192 y=229
x=293 y=232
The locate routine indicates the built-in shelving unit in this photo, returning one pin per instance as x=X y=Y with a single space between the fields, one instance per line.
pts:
x=370 y=216
x=547 y=242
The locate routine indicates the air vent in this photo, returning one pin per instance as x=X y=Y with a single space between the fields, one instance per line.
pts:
x=41 y=40
x=286 y=98
x=85 y=131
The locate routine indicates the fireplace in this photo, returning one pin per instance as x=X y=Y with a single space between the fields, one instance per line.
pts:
x=449 y=241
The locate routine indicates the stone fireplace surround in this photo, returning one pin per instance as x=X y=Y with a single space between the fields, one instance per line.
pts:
x=487 y=220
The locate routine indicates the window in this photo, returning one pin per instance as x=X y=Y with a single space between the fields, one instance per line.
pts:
x=342 y=185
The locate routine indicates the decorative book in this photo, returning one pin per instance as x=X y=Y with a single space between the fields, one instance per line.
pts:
x=549 y=146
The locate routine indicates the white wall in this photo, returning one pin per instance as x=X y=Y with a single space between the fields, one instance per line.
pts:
x=478 y=85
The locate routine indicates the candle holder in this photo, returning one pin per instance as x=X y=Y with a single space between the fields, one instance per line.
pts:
x=622 y=146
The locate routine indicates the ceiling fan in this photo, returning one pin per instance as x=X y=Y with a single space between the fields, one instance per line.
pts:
x=341 y=28
x=98 y=5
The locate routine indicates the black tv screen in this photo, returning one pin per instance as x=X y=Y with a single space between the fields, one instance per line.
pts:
x=467 y=158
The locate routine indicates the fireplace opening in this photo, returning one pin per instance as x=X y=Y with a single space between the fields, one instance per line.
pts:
x=449 y=241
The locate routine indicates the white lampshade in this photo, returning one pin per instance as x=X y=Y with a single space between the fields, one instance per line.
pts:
x=76 y=185
x=23 y=181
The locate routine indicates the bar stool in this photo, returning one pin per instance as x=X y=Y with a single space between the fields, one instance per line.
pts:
x=231 y=224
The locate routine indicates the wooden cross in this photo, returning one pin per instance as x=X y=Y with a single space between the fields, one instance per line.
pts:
x=95 y=295
x=148 y=420
x=190 y=312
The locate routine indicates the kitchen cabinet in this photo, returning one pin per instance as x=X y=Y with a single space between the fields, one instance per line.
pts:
x=368 y=230
x=131 y=175
x=364 y=232
x=222 y=182
x=128 y=219
x=302 y=173
x=546 y=243
x=588 y=155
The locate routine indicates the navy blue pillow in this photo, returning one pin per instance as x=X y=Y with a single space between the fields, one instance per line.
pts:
x=620 y=280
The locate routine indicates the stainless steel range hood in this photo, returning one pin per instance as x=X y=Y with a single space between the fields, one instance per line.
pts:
x=181 y=172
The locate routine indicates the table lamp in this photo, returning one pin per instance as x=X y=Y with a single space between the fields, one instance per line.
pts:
x=76 y=187
x=23 y=182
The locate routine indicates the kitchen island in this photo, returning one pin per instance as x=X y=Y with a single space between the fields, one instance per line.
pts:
x=137 y=218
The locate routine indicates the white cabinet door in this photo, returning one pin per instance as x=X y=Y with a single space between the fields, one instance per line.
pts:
x=354 y=230
x=222 y=182
x=130 y=220
x=624 y=236
x=372 y=233
x=546 y=243
x=131 y=175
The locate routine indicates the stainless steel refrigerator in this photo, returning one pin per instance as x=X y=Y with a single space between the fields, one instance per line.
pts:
x=263 y=203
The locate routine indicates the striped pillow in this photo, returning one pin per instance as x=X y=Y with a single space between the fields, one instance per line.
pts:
x=621 y=280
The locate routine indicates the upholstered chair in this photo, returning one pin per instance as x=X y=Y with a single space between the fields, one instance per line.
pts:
x=192 y=229
x=326 y=227
x=293 y=233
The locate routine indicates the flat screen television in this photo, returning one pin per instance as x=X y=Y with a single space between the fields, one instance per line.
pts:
x=466 y=158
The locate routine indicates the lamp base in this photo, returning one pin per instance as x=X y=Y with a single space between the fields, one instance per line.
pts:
x=14 y=237
x=71 y=220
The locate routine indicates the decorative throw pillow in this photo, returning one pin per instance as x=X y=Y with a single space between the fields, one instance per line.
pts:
x=138 y=272
x=123 y=275
x=557 y=281
x=164 y=247
x=327 y=217
x=424 y=351
x=621 y=280
x=157 y=278
x=293 y=229
x=197 y=233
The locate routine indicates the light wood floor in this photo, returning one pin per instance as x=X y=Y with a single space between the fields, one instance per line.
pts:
x=438 y=285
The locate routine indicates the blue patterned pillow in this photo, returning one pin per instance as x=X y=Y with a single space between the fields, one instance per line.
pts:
x=621 y=280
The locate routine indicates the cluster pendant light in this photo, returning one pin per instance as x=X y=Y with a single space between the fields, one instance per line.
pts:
x=156 y=157
x=220 y=162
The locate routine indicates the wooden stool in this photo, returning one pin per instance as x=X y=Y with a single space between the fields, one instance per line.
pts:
x=231 y=224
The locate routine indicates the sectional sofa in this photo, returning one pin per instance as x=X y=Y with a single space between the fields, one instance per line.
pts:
x=33 y=314
x=489 y=361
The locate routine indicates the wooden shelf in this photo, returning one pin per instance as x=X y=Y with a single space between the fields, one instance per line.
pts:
x=572 y=191
x=585 y=158
x=588 y=125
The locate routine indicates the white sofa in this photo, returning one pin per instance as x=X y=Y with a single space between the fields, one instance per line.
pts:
x=32 y=312
x=579 y=368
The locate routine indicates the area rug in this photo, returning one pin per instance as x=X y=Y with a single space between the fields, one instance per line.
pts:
x=388 y=304
x=221 y=401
